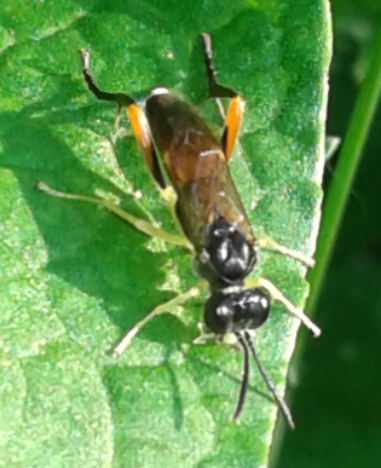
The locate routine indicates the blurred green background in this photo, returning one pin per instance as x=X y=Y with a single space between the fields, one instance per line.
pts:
x=335 y=382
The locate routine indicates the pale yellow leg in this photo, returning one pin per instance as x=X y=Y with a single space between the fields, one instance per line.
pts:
x=276 y=295
x=119 y=132
x=170 y=197
x=162 y=308
x=268 y=244
x=229 y=339
x=140 y=224
x=203 y=336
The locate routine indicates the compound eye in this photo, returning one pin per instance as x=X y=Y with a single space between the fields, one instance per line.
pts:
x=232 y=312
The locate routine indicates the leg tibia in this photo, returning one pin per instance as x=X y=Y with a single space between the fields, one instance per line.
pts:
x=167 y=307
x=277 y=295
x=140 y=224
x=269 y=244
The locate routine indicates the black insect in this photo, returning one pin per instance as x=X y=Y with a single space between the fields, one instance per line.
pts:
x=206 y=205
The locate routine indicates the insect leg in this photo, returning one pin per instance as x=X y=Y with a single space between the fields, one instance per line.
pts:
x=204 y=335
x=277 y=295
x=140 y=129
x=268 y=244
x=232 y=125
x=216 y=91
x=161 y=309
x=120 y=99
x=136 y=115
x=140 y=224
x=170 y=197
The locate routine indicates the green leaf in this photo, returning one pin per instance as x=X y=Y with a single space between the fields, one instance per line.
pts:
x=74 y=277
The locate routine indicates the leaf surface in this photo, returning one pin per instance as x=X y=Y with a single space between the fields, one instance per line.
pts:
x=74 y=277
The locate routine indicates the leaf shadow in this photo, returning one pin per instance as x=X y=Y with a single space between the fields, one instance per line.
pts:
x=87 y=247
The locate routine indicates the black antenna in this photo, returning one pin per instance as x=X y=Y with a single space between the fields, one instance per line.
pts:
x=282 y=405
x=245 y=379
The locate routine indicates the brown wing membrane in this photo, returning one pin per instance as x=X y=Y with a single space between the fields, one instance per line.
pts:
x=197 y=167
x=203 y=201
